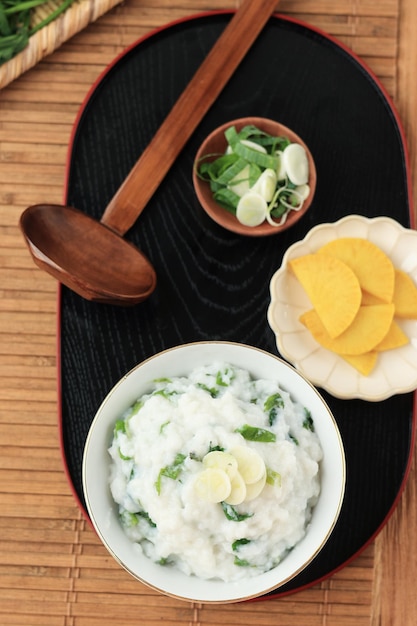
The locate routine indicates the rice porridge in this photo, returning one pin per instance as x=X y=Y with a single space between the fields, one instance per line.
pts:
x=216 y=473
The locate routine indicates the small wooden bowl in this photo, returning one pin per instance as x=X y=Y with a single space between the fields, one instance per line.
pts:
x=216 y=144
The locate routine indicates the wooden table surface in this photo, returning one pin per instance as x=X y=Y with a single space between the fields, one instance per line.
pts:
x=53 y=569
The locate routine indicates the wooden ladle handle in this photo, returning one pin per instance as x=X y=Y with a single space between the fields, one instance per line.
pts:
x=200 y=93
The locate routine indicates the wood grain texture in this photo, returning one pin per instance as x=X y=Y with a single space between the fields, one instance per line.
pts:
x=53 y=569
x=199 y=94
x=395 y=566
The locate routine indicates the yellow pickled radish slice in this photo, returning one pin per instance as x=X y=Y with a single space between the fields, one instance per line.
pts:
x=405 y=295
x=221 y=460
x=250 y=464
x=251 y=209
x=372 y=267
x=238 y=492
x=213 y=485
x=332 y=287
x=255 y=489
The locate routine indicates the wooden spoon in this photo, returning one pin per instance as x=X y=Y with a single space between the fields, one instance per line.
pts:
x=91 y=257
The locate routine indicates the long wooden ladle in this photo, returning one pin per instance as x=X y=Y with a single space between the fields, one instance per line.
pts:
x=91 y=257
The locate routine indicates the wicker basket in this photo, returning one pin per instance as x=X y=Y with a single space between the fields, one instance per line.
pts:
x=49 y=38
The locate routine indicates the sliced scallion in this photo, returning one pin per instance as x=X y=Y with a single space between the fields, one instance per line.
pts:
x=227 y=199
x=251 y=155
x=251 y=209
x=257 y=166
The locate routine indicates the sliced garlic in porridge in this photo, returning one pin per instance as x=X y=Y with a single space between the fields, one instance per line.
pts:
x=238 y=492
x=255 y=489
x=250 y=464
x=213 y=484
x=221 y=460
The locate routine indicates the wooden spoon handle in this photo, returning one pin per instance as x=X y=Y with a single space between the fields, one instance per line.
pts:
x=203 y=89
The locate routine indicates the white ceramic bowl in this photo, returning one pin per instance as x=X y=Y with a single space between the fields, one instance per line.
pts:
x=396 y=370
x=181 y=361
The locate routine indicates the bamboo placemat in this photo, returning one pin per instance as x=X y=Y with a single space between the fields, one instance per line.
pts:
x=75 y=18
x=53 y=569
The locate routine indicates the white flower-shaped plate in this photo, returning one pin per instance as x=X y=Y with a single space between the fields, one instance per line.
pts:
x=396 y=370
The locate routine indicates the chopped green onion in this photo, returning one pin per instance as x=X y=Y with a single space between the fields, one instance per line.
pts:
x=239 y=542
x=308 y=422
x=272 y=477
x=223 y=379
x=170 y=471
x=293 y=439
x=253 y=433
x=275 y=400
x=251 y=155
x=211 y=390
x=15 y=24
x=164 y=393
x=227 y=199
x=124 y=457
x=271 y=406
x=119 y=427
x=251 y=209
x=231 y=172
x=254 y=161
x=232 y=514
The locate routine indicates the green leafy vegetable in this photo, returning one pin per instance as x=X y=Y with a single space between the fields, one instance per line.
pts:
x=271 y=405
x=132 y=519
x=124 y=457
x=232 y=514
x=259 y=136
x=119 y=427
x=273 y=478
x=136 y=407
x=163 y=426
x=253 y=433
x=144 y=515
x=164 y=393
x=251 y=155
x=128 y=519
x=239 y=542
x=227 y=199
x=223 y=378
x=122 y=425
x=241 y=562
x=308 y=421
x=170 y=471
x=236 y=545
x=15 y=23
x=211 y=390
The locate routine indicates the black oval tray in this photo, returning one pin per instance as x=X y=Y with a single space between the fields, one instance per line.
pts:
x=213 y=284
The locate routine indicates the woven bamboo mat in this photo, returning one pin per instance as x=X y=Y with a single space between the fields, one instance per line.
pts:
x=53 y=569
x=75 y=18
